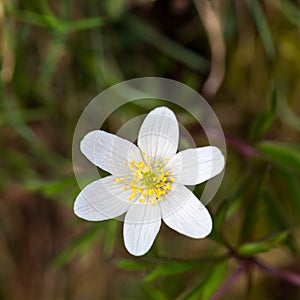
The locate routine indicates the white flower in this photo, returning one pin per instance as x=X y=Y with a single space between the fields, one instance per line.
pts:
x=147 y=182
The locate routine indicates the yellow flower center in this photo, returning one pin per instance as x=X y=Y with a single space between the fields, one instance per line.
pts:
x=150 y=180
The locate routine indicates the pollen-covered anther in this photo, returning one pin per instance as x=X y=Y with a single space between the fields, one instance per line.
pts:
x=150 y=180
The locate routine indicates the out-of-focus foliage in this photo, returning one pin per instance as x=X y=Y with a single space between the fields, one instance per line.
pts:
x=243 y=55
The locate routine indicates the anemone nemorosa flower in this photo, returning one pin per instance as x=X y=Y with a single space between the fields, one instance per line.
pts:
x=147 y=181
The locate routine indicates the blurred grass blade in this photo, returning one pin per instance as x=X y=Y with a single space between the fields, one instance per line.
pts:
x=133 y=264
x=28 y=115
x=261 y=125
x=80 y=244
x=210 y=283
x=251 y=211
x=221 y=214
x=153 y=293
x=53 y=23
x=51 y=61
x=152 y=36
x=84 y=24
x=262 y=245
x=50 y=188
x=110 y=236
x=229 y=207
x=290 y=10
x=262 y=26
x=282 y=155
x=44 y=8
x=265 y=119
x=16 y=118
x=236 y=197
x=115 y=8
x=292 y=186
x=287 y=115
x=276 y=215
x=48 y=21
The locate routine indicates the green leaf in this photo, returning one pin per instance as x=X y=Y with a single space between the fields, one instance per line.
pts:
x=262 y=245
x=282 y=155
x=171 y=268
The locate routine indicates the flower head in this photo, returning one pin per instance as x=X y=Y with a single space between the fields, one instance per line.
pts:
x=148 y=181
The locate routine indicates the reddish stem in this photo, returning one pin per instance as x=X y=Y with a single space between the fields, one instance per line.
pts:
x=286 y=275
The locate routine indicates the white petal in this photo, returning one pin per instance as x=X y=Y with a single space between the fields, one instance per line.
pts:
x=159 y=134
x=102 y=199
x=109 y=152
x=141 y=225
x=194 y=166
x=183 y=212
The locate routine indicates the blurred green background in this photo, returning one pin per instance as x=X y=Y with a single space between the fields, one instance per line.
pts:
x=242 y=55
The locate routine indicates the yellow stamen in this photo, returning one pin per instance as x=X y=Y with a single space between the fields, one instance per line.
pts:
x=168 y=186
x=150 y=180
x=141 y=165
